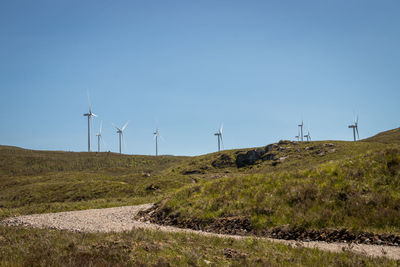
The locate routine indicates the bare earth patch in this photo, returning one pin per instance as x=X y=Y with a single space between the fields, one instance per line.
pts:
x=122 y=219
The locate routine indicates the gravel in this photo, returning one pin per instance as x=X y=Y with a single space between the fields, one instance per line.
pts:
x=122 y=219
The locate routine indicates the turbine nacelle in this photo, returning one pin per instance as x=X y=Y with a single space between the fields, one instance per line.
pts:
x=120 y=133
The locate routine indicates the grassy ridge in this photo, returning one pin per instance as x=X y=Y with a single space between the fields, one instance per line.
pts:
x=44 y=181
x=36 y=247
x=387 y=137
x=360 y=192
x=17 y=161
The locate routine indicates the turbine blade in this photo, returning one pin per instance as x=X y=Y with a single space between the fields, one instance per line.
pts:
x=101 y=127
x=123 y=127
x=358 y=136
x=220 y=128
x=222 y=142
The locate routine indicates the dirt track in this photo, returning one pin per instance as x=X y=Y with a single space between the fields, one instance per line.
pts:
x=122 y=219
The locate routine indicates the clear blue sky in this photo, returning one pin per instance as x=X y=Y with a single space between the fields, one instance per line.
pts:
x=257 y=66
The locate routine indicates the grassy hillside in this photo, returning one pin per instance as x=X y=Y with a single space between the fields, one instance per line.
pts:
x=312 y=185
x=45 y=181
x=316 y=185
x=17 y=161
x=387 y=137
x=360 y=192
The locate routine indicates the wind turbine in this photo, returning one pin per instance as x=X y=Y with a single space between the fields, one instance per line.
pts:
x=99 y=136
x=308 y=136
x=301 y=130
x=219 y=136
x=298 y=135
x=120 y=132
x=355 y=129
x=156 y=135
x=89 y=115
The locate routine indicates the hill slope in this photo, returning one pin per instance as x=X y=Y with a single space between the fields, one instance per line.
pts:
x=314 y=185
x=387 y=137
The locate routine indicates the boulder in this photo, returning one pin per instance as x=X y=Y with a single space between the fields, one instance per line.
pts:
x=247 y=159
x=252 y=156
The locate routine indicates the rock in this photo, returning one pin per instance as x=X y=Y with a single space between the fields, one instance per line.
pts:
x=252 y=156
x=332 y=150
x=329 y=145
x=270 y=147
x=260 y=152
x=249 y=158
x=284 y=142
x=283 y=158
x=241 y=160
x=268 y=156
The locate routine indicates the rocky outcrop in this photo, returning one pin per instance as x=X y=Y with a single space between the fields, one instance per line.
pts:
x=251 y=157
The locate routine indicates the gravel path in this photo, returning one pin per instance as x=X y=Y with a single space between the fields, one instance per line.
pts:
x=122 y=219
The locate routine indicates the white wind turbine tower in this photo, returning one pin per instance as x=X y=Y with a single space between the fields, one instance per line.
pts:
x=120 y=132
x=156 y=135
x=301 y=130
x=308 y=136
x=219 y=136
x=89 y=115
x=99 y=136
x=355 y=129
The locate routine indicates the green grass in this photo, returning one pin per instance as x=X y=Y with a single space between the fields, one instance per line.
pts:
x=354 y=185
x=45 y=181
x=361 y=192
x=36 y=247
